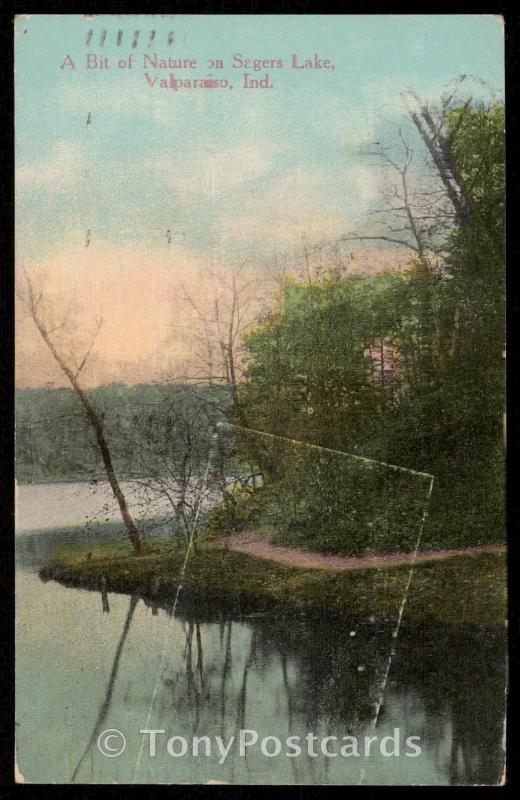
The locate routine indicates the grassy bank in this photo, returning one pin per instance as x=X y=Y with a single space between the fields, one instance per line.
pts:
x=467 y=589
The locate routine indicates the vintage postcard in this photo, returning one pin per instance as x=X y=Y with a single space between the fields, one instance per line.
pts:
x=260 y=403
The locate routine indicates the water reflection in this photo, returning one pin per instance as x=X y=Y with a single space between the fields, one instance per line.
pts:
x=458 y=674
x=105 y=706
x=447 y=683
x=213 y=671
x=89 y=661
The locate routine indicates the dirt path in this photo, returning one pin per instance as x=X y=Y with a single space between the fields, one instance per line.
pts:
x=254 y=546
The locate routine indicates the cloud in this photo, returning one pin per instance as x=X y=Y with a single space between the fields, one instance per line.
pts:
x=61 y=169
x=236 y=191
x=304 y=201
x=213 y=174
x=203 y=174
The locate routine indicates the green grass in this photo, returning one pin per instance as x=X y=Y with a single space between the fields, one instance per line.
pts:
x=467 y=589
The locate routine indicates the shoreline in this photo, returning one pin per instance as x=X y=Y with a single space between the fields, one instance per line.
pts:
x=229 y=579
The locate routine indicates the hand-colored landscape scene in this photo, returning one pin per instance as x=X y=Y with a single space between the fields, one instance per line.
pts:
x=260 y=405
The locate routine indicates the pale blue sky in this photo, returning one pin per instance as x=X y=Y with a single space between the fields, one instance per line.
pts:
x=226 y=171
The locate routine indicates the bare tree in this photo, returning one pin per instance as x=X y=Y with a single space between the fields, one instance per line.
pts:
x=219 y=330
x=72 y=369
x=404 y=213
x=430 y=123
x=423 y=196
x=217 y=327
x=175 y=447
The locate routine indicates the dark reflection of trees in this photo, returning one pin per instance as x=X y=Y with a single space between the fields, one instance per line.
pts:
x=447 y=682
x=105 y=705
x=459 y=675
x=190 y=686
x=191 y=683
x=453 y=675
x=338 y=673
x=226 y=671
x=242 y=697
x=104 y=596
x=195 y=681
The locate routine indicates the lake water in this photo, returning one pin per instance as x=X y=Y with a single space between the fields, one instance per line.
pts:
x=87 y=663
x=51 y=506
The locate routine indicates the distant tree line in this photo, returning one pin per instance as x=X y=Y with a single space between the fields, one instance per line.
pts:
x=150 y=429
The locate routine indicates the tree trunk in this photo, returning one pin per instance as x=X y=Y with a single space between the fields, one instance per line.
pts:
x=131 y=527
x=132 y=530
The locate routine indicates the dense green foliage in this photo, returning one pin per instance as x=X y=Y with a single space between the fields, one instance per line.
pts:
x=406 y=368
x=317 y=498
